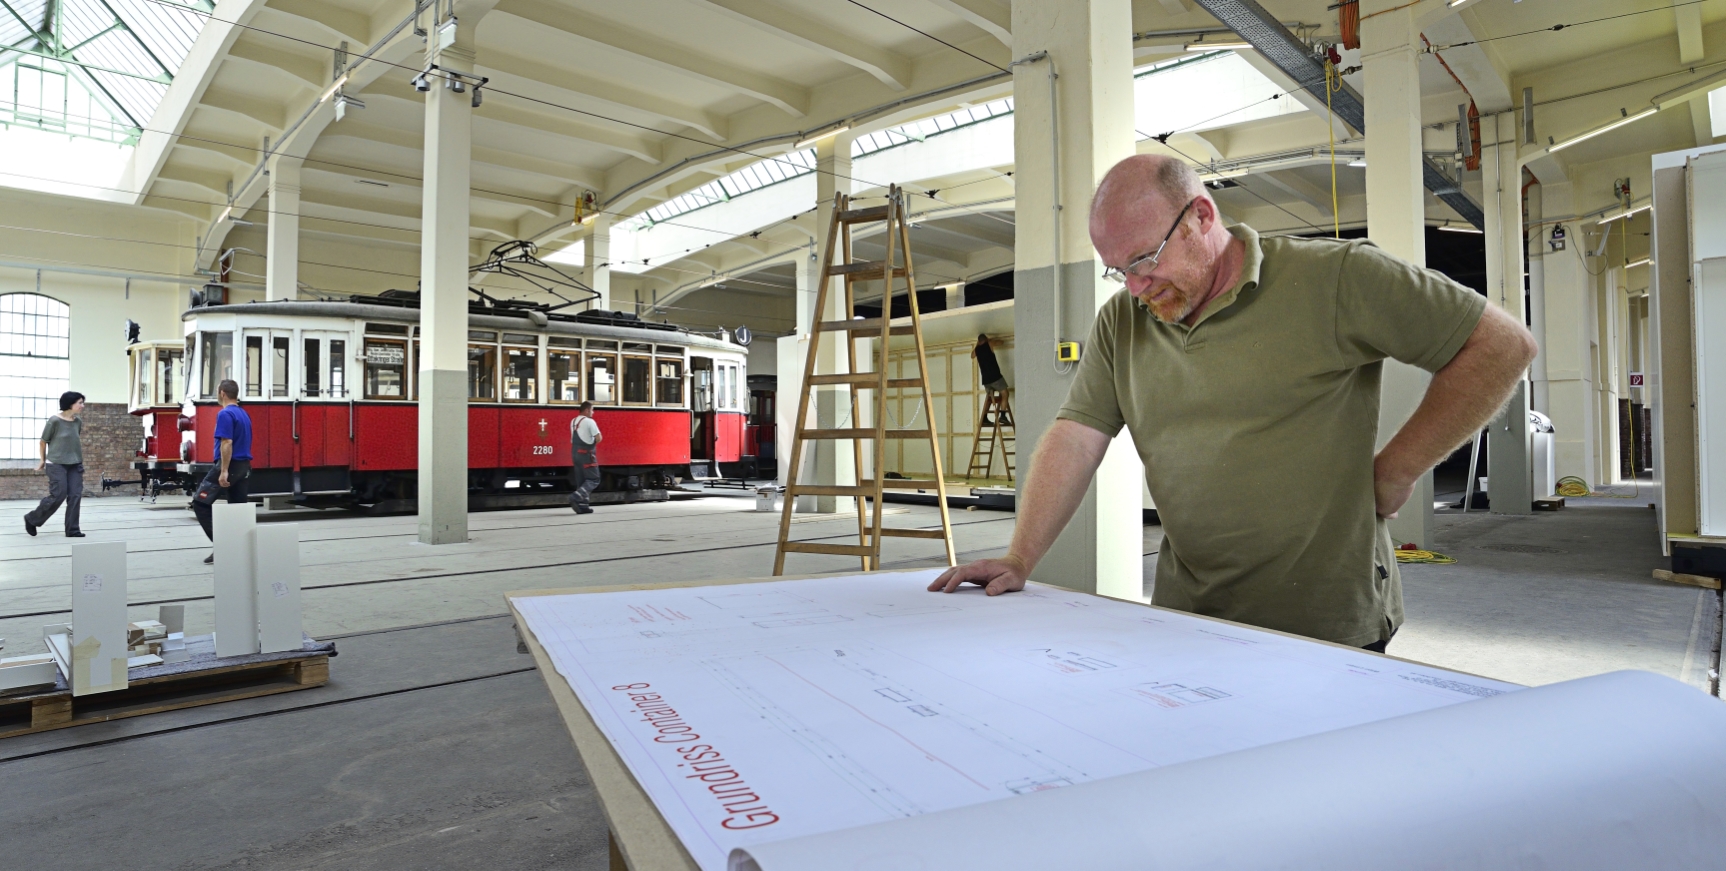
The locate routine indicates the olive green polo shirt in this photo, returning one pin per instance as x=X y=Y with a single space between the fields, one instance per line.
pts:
x=1256 y=426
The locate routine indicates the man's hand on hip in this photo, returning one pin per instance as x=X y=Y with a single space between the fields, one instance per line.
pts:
x=995 y=576
x=1390 y=495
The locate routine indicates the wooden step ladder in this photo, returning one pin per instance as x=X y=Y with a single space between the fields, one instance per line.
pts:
x=990 y=432
x=854 y=381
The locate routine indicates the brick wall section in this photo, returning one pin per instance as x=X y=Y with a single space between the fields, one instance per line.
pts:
x=111 y=439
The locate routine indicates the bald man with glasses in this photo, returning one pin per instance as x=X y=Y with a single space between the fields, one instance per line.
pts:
x=1247 y=372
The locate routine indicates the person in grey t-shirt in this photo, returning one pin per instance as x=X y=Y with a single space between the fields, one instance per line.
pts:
x=63 y=454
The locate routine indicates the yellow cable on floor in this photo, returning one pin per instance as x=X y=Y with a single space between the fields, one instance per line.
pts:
x=1573 y=486
x=1423 y=556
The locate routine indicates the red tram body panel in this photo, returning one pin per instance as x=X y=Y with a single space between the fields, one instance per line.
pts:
x=295 y=363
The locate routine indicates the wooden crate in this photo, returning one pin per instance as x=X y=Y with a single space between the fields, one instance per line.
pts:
x=204 y=679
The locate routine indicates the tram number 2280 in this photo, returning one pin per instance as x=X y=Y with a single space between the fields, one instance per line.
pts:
x=539 y=450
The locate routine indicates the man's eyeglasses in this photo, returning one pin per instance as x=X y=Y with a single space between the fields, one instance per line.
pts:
x=1143 y=266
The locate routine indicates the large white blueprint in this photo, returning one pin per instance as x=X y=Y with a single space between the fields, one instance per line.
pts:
x=755 y=713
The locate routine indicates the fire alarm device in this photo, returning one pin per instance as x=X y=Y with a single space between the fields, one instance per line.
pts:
x=1067 y=352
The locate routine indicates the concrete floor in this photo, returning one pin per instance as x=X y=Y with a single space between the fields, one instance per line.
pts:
x=435 y=745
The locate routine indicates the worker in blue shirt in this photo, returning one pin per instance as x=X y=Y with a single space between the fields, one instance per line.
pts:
x=233 y=459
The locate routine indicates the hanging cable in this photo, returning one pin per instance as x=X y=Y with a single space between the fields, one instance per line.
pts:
x=1332 y=84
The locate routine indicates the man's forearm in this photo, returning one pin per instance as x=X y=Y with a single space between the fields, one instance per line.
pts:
x=1066 y=458
x=227 y=454
x=1462 y=397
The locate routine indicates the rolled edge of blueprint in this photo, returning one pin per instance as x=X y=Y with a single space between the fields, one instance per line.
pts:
x=1615 y=771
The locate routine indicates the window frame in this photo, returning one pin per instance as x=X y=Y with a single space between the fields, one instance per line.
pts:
x=503 y=363
x=659 y=399
x=623 y=376
x=591 y=383
x=576 y=368
x=496 y=358
x=366 y=381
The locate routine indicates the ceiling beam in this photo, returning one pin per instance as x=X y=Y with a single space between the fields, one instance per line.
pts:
x=578 y=90
x=993 y=17
x=341 y=22
x=514 y=120
x=484 y=159
x=656 y=51
x=887 y=68
x=1688 y=18
x=352 y=172
x=308 y=71
x=271 y=116
x=1701 y=120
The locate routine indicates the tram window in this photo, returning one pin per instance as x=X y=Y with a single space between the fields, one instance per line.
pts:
x=481 y=336
x=254 y=365
x=602 y=378
x=338 y=368
x=563 y=342
x=482 y=372
x=387 y=329
x=601 y=345
x=313 y=359
x=637 y=385
x=642 y=347
x=414 y=366
x=670 y=377
x=386 y=369
x=521 y=339
x=141 y=390
x=565 y=371
x=279 y=366
x=167 y=359
x=520 y=374
x=664 y=350
x=217 y=353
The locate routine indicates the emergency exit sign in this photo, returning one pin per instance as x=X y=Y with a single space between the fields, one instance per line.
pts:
x=1636 y=379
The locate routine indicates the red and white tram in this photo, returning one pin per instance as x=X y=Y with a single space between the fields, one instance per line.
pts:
x=332 y=389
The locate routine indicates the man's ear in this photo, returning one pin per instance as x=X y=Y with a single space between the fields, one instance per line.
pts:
x=1206 y=210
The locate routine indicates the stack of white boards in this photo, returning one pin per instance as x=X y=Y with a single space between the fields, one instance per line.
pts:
x=862 y=723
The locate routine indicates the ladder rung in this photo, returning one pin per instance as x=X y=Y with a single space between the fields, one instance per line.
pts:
x=906 y=434
x=909 y=484
x=828 y=490
x=861 y=325
x=864 y=270
x=858 y=216
x=912 y=533
x=865 y=380
x=838 y=433
x=835 y=549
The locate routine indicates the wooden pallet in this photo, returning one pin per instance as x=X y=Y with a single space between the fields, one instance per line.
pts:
x=205 y=679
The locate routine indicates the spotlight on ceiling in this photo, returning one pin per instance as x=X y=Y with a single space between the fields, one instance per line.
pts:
x=420 y=83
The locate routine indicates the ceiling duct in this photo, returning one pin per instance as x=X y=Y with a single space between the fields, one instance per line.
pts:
x=1278 y=45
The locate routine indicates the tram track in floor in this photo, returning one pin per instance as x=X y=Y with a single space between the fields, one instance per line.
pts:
x=491 y=571
x=413 y=532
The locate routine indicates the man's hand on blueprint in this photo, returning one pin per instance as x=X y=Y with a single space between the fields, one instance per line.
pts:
x=995 y=576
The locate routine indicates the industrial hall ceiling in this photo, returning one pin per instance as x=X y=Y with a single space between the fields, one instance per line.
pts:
x=633 y=105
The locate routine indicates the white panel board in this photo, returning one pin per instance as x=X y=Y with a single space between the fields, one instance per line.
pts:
x=1598 y=774
x=759 y=712
x=236 y=584
x=98 y=617
x=278 y=590
x=1710 y=309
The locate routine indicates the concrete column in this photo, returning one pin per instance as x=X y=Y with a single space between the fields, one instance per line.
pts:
x=1509 y=486
x=830 y=462
x=793 y=352
x=597 y=252
x=1064 y=146
x=1396 y=215
x=443 y=303
x=1566 y=340
x=282 y=263
x=955 y=295
x=1539 y=398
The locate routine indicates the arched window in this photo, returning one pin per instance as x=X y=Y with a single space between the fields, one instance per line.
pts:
x=35 y=346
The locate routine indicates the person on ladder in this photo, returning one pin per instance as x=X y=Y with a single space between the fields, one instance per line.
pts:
x=988 y=369
x=584 y=438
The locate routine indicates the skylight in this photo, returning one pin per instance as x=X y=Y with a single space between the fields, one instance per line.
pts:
x=802 y=162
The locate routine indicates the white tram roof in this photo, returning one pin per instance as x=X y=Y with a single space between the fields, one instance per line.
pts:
x=514 y=323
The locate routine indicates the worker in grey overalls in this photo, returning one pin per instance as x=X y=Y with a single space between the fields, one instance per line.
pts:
x=584 y=438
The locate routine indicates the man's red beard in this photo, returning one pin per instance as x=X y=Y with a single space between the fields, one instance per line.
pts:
x=1170 y=302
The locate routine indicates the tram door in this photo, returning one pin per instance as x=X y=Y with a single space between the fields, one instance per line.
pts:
x=324 y=365
x=321 y=427
x=266 y=357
